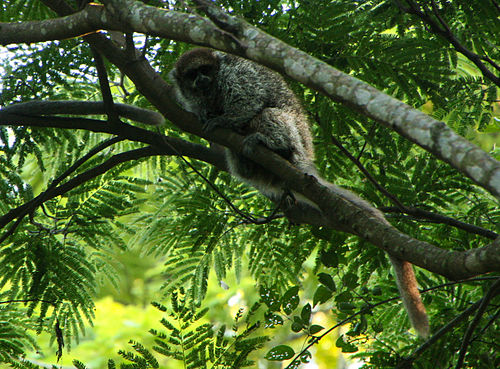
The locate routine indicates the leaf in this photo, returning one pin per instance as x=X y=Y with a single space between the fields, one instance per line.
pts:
x=305 y=314
x=306 y=357
x=270 y=298
x=280 y=353
x=329 y=258
x=297 y=324
x=350 y=280
x=346 y=306
x=327 y=281
x=290 y=300
x=272 y=320
x=321 y=295
x=345 y=346
x=315 y=329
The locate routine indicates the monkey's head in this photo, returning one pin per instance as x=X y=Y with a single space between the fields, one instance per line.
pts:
x=195 y=72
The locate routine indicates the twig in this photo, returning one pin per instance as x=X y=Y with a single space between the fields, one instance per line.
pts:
x=492 y=292
x=400 y=207
x=450 y=37
x=441 y=219
x=107 y=97
x=52 y=192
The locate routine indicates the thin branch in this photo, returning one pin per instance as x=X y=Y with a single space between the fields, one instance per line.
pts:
x=94 y=151
x=440 y=333
x=422 y=348
x=492 y=292
x=400 y=207
x=367 y=174
x=436 y=13
x=446 y=33
x=370 y=133
x=315 y=339
x=247 y=217
x=55 y=191
x=450 y=325
x=495 y=4
x=107 y=97
x=441 y=219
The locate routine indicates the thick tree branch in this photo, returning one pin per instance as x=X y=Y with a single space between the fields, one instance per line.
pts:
x=55 y=107
x=90 y=19
x=432 y=135
x=125 y=131
x=336 y=211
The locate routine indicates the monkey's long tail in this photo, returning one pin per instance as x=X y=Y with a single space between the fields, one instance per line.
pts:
x=403 y=270
x=412 y=301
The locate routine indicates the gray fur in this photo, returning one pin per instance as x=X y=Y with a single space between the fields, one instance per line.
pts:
x=253 y=101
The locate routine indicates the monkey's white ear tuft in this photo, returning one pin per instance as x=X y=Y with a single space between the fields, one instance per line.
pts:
x=220 y=55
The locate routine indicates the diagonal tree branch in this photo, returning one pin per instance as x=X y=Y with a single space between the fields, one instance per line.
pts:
x=54 y=191
x=432 y=135
x=493 y=291
x=442 y=29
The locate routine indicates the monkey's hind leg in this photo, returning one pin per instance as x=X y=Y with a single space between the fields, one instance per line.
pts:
x=270 y=128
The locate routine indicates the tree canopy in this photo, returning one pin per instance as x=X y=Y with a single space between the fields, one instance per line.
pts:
x=97 y=160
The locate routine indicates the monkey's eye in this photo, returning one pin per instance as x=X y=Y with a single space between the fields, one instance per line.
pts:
x=191 y=74
x=205 y=70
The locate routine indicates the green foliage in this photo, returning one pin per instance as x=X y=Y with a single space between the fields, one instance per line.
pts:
x=185 y=337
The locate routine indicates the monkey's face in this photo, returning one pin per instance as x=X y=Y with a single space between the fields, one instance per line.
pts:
x=195 y=78
x=199 y=80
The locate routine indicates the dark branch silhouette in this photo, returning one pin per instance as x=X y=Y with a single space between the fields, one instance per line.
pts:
x=442 y=29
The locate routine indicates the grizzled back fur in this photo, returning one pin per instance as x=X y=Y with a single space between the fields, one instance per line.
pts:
x=228 y=91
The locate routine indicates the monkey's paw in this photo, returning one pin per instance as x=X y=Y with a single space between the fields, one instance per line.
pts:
x=251 y=142
x=213 y=123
